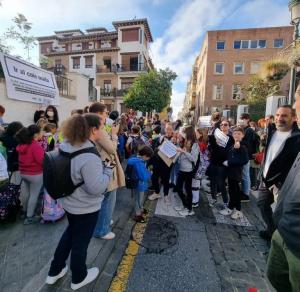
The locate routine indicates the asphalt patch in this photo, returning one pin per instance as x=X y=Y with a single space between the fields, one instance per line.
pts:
x=160 y=234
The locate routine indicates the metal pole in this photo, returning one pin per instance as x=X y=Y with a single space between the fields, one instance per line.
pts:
x=293 y=68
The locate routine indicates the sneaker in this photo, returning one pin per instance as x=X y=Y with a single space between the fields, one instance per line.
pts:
x=186 y=212
x=92 y=274
x=179 y=208
x=109 y=236
x=153 y=197
x=226 y=212
x=51 y=280
x=264 y=234
x=244 y=198
x=167 y=200
x=139 y=219
x=195 y=205
x=31 y=220
x=213 y=202
x=237 y=215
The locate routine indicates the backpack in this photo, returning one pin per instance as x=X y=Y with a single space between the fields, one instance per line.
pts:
x=57 y=172
x=136 y=144
x=52 y=209
x=131 y=178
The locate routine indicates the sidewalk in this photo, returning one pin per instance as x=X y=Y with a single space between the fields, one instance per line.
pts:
x=26 y=252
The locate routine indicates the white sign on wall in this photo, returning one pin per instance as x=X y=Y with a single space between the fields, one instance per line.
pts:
x=27 y=82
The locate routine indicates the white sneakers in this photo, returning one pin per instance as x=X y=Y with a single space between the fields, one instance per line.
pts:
x=186 y=212
x=178 y=208
x=153 y=197
x=109 y=236
x=92 y=274
x=52 y=280
x=237 y=215
x=226 y=212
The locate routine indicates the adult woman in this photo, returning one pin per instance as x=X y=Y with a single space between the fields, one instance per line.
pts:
x=31 y=156
x=83 y=205
x=189 y=153
x=52 y=114
x=107 y=147
x=218 y=154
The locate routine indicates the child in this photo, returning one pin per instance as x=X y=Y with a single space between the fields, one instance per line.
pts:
x=141 y=175
x=236 y=158
x=50 y=132
x=134 y=141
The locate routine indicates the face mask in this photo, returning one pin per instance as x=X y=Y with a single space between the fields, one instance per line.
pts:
x=242 y=123
x=253 y=128
x=50 y=114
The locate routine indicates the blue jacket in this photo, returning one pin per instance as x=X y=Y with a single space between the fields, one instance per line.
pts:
x=142 y=172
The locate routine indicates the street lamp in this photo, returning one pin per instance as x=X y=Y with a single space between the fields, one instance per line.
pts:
x=294 y=7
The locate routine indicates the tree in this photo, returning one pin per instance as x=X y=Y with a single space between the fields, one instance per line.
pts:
x=151 y=91
x=20 y=32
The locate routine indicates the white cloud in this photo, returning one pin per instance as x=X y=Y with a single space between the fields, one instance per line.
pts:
x=177 y=100
x=176 y=48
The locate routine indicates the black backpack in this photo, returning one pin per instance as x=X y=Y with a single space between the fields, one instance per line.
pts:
x=131 y=178
x=57 y=172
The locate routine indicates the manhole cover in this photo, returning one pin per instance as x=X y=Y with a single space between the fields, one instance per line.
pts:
x=159 y=235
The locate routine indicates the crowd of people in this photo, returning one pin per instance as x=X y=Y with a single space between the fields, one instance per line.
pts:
x=128 y=152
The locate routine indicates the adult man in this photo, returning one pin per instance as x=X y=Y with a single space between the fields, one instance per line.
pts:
x=283 y=268
x=107 y=147
x=283 y=144
x=251 y=141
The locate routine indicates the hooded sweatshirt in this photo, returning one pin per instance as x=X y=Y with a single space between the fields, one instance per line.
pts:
x=31 y=158
x=86 y=167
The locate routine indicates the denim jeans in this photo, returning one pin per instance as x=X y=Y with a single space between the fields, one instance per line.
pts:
x=217 y=182
x=105 y=214
x=75 y=239
x=139 y=201
x=246 y=179
x=283 y=268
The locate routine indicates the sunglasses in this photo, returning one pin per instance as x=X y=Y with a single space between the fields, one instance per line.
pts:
x=225 y=125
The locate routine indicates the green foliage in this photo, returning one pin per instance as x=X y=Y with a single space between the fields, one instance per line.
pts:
x=151 y=91
x=20 y=32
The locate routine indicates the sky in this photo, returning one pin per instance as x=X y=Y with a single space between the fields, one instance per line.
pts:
x=178 y=26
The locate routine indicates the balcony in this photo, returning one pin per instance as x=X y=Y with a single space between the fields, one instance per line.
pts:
x=131 y=67
x=104 y=69
x=108 y=92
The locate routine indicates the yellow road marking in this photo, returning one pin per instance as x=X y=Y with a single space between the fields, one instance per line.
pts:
x=119 y=283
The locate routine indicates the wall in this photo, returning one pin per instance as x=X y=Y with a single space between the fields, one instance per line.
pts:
x=23 y=111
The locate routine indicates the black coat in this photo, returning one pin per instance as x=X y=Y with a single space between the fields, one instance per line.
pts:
x=251 y=140
x=282 y=163
x=236 y=159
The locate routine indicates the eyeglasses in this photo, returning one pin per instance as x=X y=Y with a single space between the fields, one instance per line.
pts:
x=225 y=125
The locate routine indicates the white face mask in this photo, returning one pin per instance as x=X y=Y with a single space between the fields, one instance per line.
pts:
x=50 y=114
x=253 y=128
x=242 y=123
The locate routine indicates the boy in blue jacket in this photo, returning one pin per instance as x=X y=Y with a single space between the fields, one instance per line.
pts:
x=141 y=175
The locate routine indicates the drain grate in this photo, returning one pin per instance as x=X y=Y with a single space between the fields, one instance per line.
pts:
x=160 y=234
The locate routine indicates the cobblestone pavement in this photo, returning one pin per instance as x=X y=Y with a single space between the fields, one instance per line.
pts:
x=238 y=251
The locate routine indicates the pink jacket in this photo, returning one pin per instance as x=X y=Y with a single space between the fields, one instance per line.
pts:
x=31 y=158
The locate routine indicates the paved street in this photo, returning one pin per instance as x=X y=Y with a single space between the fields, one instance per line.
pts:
x=173 y=253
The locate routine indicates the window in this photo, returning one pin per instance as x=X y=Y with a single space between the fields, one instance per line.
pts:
x=219 y=68
x=76 y=62
x=278 y=43
x=238 y=68
x=245 y=44
x=255 y=67
x=107 y=62
x=85 y=46
x=237 y=92
x=253 y=44
x=88 y=61
x=262 y=44
x=237 y=44
x=218 y=92
x=220 y=45
x=130 y=35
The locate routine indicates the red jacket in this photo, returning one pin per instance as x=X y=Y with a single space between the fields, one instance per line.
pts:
x=31 y=158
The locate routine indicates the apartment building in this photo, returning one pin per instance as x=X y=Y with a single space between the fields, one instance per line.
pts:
x=226 y=61
x=110 y=59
